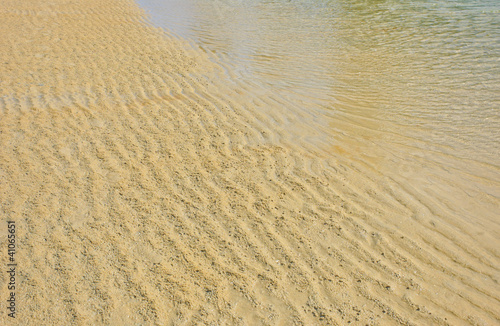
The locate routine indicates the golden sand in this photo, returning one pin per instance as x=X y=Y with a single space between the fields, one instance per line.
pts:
x=150 y=188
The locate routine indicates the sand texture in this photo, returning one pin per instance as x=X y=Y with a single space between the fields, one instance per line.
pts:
x=149 y=187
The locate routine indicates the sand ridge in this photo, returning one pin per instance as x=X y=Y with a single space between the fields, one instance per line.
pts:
x=150 y=188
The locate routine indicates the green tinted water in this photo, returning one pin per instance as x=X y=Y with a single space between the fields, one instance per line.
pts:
x=415 y=84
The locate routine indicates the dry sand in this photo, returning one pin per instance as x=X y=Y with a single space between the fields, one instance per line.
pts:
x=148 y=187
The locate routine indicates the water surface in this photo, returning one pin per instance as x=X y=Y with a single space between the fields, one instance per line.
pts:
x=410 y=89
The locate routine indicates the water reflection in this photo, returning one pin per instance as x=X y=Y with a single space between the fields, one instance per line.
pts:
x=418 y=79
x=289 y=43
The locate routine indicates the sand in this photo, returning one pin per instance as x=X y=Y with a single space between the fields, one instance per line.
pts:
x=149 y=186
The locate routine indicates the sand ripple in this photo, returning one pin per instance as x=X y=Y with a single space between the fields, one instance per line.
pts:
x=151 y=188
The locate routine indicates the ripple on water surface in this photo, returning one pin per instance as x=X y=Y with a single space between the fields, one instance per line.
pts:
x=416 y=84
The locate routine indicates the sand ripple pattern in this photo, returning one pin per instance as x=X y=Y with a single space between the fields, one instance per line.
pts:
x=151 y=189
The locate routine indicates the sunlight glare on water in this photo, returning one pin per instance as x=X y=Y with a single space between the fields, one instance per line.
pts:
x=416 y=83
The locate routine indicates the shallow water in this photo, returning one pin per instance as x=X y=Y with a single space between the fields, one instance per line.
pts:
x=409 y=89
x=316 y=163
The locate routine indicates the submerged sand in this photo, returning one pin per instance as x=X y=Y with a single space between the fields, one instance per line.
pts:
x=149 y=187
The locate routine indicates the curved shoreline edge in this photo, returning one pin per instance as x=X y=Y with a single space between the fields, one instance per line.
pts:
x=149 y=188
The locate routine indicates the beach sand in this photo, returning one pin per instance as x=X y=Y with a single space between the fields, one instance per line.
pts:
x=148 y=187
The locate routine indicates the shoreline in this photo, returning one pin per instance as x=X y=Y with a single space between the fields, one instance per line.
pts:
x=148 y=188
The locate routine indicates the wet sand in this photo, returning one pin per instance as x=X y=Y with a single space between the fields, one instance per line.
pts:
x=149 y=187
